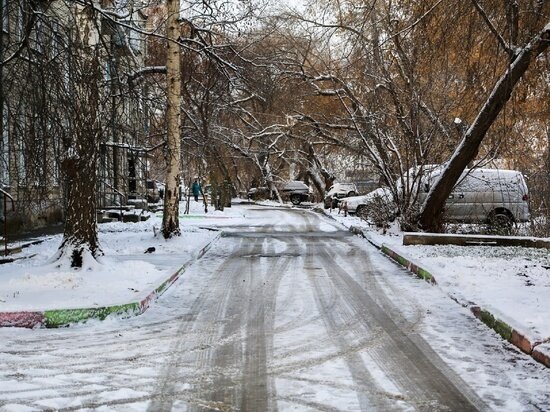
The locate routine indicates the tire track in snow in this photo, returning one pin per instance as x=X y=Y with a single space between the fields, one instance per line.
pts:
x=336 y=316
x=211 y=317
x=258 y=386
x=403 y=361
x=246 y=385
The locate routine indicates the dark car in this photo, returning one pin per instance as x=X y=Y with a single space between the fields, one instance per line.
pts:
x=259 y=193
x=296 y=191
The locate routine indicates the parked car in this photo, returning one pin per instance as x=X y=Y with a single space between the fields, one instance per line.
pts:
x=259 y=193
x=366 y=206
x=495 y=196
x=338 y=191
x=297 y=192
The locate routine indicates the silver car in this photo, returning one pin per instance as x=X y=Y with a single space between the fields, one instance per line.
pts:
x=338 y=191
x=495 y=196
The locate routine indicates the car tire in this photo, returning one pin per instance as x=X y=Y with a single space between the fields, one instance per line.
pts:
x=295 y=200
x=501 y=222
x=351 y=194
x=361 y=211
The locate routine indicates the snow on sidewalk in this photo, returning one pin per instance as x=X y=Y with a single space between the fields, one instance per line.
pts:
x=124 y=274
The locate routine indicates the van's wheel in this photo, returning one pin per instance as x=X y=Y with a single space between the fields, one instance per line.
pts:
x=501 y=222
x=295 y=199
x=361 y=212
x=352 y=193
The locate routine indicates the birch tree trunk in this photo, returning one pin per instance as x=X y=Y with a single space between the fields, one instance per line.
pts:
x=432 y=209
x=170 y=220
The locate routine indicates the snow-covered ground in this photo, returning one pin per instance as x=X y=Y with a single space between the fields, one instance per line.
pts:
x=513 y=283
x=125 y=273
x=115 y=364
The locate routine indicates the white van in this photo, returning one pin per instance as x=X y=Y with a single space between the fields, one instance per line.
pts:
x=496 y=196
x=499 y=197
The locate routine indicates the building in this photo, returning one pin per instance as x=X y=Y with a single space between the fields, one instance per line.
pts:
x=39 y=49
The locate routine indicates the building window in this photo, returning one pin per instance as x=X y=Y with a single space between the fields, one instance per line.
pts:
x=20 y=22
x=37 y=36
x=19 y=173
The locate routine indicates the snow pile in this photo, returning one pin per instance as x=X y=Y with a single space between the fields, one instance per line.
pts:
x=45 y=287
x=35 y=280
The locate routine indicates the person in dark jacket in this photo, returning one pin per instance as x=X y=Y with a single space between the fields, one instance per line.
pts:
x=196 y=189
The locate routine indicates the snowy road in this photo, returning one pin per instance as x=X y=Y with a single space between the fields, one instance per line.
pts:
x=288 y=312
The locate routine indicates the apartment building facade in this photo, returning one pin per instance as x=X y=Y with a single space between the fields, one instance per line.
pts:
x=41 y=46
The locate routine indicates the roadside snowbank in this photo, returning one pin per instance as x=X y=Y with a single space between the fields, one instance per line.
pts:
x=513 y=283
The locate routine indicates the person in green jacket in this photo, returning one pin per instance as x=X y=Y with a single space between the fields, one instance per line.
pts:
x=196 y=189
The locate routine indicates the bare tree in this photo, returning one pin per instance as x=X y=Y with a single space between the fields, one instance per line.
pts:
x=79 y=164
x=53 y=98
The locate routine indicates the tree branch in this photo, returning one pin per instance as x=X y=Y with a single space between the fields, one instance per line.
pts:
x=493 y=29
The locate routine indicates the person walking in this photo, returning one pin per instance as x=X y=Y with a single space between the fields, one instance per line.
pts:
x=196 y=189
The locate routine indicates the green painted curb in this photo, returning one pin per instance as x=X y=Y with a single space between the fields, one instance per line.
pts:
x=417 y=270
x=487 y=318
x=503 y=329
x=63 y=317
x=499 y=326
x=424 y=274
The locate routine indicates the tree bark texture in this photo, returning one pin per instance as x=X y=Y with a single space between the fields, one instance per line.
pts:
x=170 y=220
x=80 y=232
x=432 y=209
x=79 y=166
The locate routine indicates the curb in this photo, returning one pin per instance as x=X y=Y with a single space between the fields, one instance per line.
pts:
x=507 y=332
x=64 y=317
x=542 y=354
x=411 y=266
